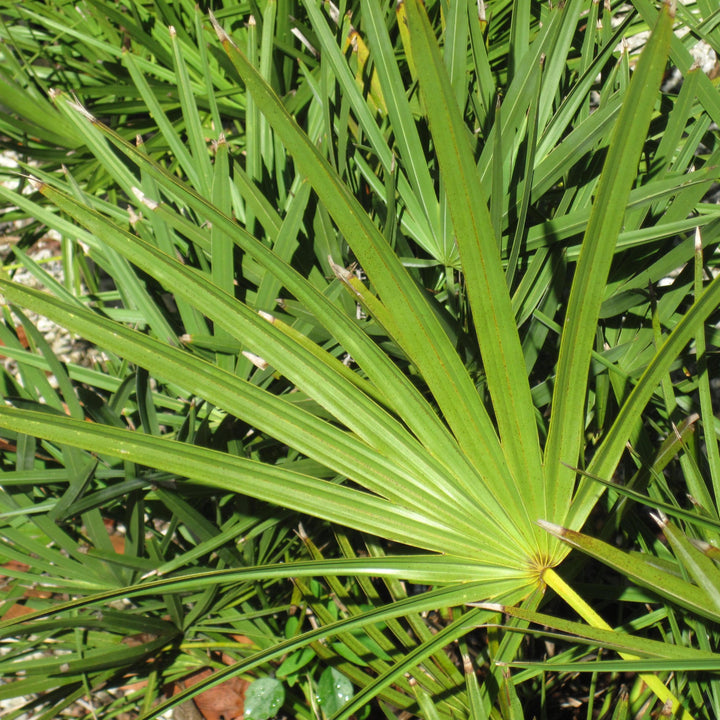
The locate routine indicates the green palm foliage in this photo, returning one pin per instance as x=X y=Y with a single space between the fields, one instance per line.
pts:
x=382 y=268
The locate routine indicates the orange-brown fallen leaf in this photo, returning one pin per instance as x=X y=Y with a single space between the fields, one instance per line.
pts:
x=18 y=609
x=225 y=701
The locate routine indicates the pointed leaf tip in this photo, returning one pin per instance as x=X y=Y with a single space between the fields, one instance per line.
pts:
x=144 y=199
x=660 y=518
x=557 y=530
x=340 y=272
x=702 y=546
x=256 y=360
x=75 y=105
x=493 y=607
x=219 y=31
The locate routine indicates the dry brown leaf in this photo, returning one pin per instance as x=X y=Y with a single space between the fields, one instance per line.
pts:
x=225 y=701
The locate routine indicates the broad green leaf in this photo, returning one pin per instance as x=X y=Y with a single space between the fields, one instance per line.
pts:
x=333 y=691
x=264 y=698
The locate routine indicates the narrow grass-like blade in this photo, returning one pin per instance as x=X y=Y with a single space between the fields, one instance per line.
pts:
x=642 y=571
x=565 y=434
x=608 y=454
x=422 y=335
x=399 y=111
x=696 y=563
x=395 y=386
x=611 y=639
x=486 y=287
x=310 y=435
x=337 y=503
